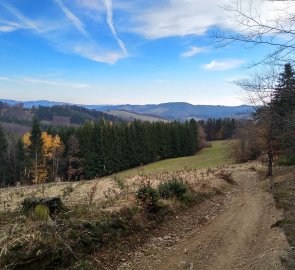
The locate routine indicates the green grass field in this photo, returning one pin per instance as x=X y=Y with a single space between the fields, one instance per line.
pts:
x=214 y=156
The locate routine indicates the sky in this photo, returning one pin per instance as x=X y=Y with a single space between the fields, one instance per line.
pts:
x=121 y=51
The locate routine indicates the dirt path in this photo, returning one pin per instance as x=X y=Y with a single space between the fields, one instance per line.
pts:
x=237 y=234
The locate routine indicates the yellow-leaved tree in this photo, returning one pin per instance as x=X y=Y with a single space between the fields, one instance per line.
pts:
x=37 y=170
x=53 y=149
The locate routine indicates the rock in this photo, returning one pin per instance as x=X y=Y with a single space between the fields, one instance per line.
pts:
x=185 y=250
x=167 y=237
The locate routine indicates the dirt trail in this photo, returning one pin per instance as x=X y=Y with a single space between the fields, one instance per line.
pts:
x=238 y=235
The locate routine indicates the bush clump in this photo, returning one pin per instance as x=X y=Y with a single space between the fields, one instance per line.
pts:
x=172 y=189
x=149 y=198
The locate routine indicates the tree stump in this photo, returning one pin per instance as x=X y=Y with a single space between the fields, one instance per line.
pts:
x=54 y=205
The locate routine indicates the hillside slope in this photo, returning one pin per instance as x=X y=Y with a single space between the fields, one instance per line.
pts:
x=131 y=116
x=17 y=118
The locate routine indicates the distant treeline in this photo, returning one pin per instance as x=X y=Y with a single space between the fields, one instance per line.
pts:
x=92 y=150
x=219 y=129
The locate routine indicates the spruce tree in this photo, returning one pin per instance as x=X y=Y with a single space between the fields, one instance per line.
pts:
x=35 y=148
x=3 y=163
x=20 y=160
x=283 y=113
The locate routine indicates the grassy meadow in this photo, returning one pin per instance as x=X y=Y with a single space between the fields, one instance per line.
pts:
x=217 y=155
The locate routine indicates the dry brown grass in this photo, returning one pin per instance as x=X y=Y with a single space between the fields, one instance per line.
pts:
x=107 y=192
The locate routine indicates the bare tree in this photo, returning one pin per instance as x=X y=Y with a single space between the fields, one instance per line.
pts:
x=253 y=25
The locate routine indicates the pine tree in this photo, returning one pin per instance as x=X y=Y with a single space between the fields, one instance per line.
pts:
x=3 y=164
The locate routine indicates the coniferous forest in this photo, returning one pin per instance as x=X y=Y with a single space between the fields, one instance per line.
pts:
x=219 y=129
x=92 y=150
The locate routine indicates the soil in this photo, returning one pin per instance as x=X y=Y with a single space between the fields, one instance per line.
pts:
x=233 y=231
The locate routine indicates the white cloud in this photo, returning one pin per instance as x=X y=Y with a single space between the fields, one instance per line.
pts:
x=178 y=18
x=7 y=28
x=216 y=65
x=171 y=18
x=193 y=51
x=94 y=53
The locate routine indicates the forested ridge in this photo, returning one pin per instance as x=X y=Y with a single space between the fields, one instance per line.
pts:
x=92 y=150
x=55 y=115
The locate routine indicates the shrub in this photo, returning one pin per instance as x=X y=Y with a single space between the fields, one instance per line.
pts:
x=172 y=189
x=119 y=181
x=148 y=196
x=41 y=213
x=286 y=161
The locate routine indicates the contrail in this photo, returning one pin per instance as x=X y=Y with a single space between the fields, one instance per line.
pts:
x=109 y=7
x=73 y=18
x=28 y=23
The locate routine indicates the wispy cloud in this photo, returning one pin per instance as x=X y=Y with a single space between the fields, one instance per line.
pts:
x=193 y=51
x=55 y=83
x=171 y=18
x=109 y=7
x=38 y=80
x=161 y=81
x=7 y=28
x=70 y=40
x=27 y=23
x=179 y=18
x=216 y=65
x=73 y=18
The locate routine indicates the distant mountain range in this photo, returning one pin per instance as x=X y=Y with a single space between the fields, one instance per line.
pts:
x=168 y=111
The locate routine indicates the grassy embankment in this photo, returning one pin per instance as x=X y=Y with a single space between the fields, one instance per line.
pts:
x=284 y=194
x=217 y=155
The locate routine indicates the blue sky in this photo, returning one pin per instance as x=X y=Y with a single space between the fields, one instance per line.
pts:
x=119 y=51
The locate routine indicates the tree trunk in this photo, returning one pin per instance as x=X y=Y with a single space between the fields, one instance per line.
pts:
x=270 y=162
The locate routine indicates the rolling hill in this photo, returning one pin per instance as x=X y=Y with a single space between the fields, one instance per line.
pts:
x=169 y=111
x=17 y=119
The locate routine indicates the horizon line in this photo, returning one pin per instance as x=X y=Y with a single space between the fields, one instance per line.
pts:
x=116 y=104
